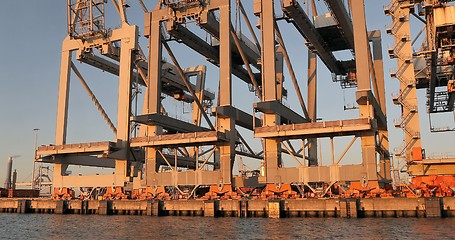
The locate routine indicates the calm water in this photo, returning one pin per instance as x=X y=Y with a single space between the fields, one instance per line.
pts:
x=35 y=226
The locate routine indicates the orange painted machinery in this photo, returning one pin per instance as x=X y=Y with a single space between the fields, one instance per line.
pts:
x=224 y=192
x=63 y=193
x=369 y=190
x=430 y=186
x=114 y=193
x=282 y=191
x=149 y=193
x=451 y=86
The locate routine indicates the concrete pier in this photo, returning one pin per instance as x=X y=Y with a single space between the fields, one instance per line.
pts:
x=61 y=207
x=312 y=208
x=448 y=207
x=304 y=208
x=257 y=208
x=184 y=208
x=211 y=208
x=23 y=206
x=391 y=207
x=232 y=208
x=155 y=208
x=275 y=208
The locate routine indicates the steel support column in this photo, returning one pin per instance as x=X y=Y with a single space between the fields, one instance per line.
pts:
x=312 y=106
x=364 y=83
x=129 y=44
x=197 y=114
x=272 y=156
x=383 y=138
x=312 y=97
x=226 y=124
x=153 y=95
x=62 y=110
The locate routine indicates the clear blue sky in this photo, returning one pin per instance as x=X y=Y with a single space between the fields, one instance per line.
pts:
x=32 y=33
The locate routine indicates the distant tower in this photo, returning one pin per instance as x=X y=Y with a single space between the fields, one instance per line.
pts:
x=13 y=183
x=9 y=170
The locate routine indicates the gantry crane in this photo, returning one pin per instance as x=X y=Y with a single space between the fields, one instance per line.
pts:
x=261 y=64
x=115 y=51
x=328 y=33
x=430 y=68
x=176 y=153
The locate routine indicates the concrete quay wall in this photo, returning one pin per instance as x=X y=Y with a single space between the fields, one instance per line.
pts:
x=344 y=208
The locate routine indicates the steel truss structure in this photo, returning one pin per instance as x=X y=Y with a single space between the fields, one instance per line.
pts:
x=431 y=68
x=370 y=127
x=116 y=52
x=201 y=154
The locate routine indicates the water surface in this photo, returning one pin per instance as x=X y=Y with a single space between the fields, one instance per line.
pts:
x=47 y=226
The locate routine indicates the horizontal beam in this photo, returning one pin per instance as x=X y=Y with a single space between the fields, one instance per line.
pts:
x=183 y=162
x=275 y=107
x=115 y=35
x=260 y=156
x=327 y=174
x=432 y=167
x=315 y=129
x=193 y=41
x=88 y=161
x=104 y=64
x=211 y=25
x=171 y=82
x=92 y=161
x=306 y=28
x=87 y=181
x=180 y=139
x=437 y=161
x=240 y=117
x=92 y=148
x=190 y=177
x=171 y=124
x=25 y=184
x=344 y=21
x=250 y=155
